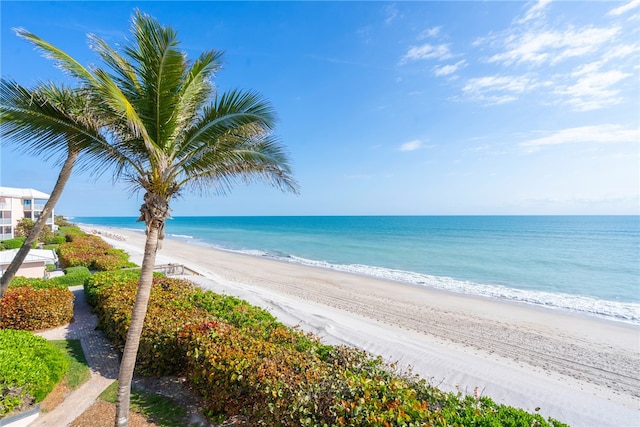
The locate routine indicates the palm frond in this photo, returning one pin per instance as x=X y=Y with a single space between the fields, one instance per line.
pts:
x=125 y=72
x=45 y=120
x=196 y=89
x=62 y=59
x=239 y=158
x=230 y=111
x=161 y=67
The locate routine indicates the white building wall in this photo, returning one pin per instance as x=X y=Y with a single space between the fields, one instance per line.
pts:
x=12 y=202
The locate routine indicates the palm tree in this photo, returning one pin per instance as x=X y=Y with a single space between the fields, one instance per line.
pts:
x=170 y=131
x=47 y=120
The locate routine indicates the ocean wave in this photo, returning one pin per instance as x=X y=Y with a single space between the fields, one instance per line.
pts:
x=254 y=252
x=612 y=310
x=181 y=236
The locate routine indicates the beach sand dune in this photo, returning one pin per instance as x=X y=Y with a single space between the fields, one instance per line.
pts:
x=582 y=370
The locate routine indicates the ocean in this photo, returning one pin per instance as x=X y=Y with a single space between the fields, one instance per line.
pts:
x=584 y=264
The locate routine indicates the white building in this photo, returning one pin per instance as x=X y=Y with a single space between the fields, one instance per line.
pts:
x=33 y=265
x=18 y=203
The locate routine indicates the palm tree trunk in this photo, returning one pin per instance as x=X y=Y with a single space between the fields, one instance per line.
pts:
x=128 y=363
x=17 y=261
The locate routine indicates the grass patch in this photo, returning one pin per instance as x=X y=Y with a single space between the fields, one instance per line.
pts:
x=79 y=371
x=162 y=410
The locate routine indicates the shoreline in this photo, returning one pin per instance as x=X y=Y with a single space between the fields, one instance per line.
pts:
x=574 y=304
x=579 y=369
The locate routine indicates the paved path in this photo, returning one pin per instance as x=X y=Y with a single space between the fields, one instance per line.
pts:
x=103 y=360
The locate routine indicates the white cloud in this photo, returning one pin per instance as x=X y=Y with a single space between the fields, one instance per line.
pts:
x=593 y=90
x=498 y=89
x=429 y=32
x=416 y=144
x=554 y=46
x=624 y=8
x=392 y=14
x=587 y=67
x=448 y=69
x=598 y=134
x=536 y=11
x=427 y=51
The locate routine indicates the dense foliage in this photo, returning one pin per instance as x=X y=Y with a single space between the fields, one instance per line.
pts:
x=243 y=361
x=14 y=243
x=25 y=225
x=29 y=369
x=73 y=276
x=32 y=309
x=85 y=250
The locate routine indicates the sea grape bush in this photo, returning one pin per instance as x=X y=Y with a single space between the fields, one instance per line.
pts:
x=235 y=372
x=85 y=250
x=241 y=360
x=170 y=308
x=34 y=304
x=29 y=369
x=71 y=232
x=14 y=243
x=99 y=282
x=31 y=309
x=73 y=276
x=233 y=310
x=34 y=282
x=55 y=240
x=82 y=251
x=113 y=259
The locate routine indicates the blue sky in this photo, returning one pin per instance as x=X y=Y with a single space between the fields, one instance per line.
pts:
x=427 y=108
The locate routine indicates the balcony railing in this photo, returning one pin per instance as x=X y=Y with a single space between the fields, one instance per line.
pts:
x=5 y=221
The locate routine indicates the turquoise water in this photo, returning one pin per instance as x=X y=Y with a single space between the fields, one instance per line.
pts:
x=587 y=264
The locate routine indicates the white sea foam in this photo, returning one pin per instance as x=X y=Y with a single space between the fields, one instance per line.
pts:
x=181 y=236
x=254 y=252
x=613 y=310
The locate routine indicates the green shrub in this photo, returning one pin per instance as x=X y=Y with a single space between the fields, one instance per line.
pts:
x=98 y=282
x=113 y=259
x=35 y=283
x=30 y=367
x=15 y=243
x=74 y=271
x=61 y=221
x=82 y=251
x=71 y=232
x=233 y=310
x=238 y=373
x=73 y=276
x=85 y=250
x=26 y=308
x=168 y=311
x=55 y=240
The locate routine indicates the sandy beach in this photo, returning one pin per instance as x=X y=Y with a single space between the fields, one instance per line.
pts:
x=582 y=370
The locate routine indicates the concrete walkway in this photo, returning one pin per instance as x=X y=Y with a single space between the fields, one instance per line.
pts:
x=103 y=359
